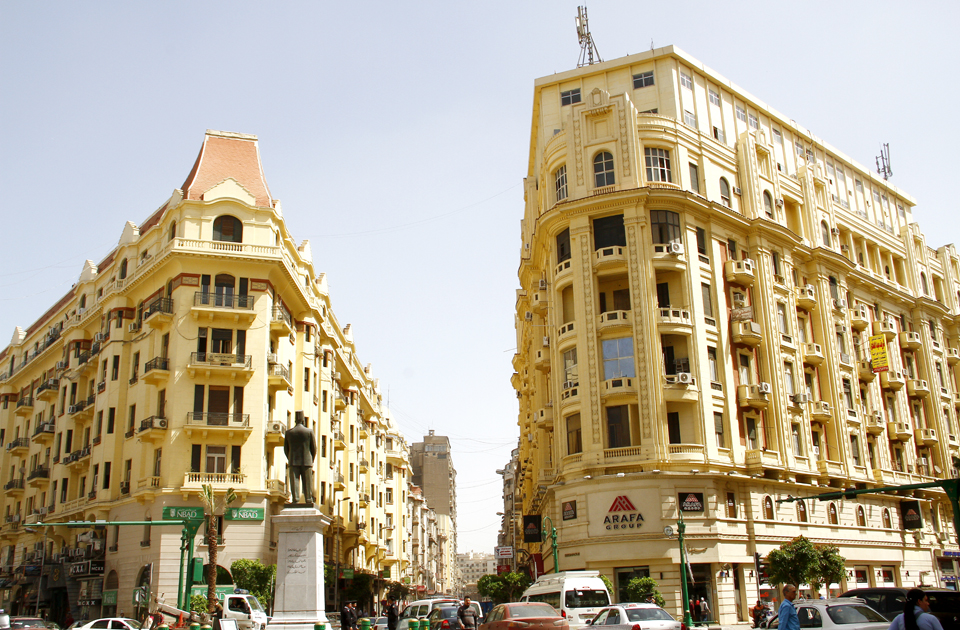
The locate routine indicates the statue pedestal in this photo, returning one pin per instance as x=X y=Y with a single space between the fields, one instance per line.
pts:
x=298 y=600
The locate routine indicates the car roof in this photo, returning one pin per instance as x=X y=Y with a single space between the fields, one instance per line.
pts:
x=637 y=605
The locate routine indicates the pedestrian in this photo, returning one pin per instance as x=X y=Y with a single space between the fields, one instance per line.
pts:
x=757 y=612
x=354 y=615
x=393 y=614
x=696 y=609
x=916 y=613
x=345 y=615
x=467 y=615
x=788 y=612
x=704 y=609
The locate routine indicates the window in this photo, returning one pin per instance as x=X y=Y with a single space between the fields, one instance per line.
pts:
x=741 y=114
x=712 y=364
x=658 y=165
x=725 y=192
x=686 y=81
x=570 y=97
x=560 y=181
x=609 y=232
x=855 y=449
x=768 y=508
x=777 y=137
x=886 y=519
x=832 y=514
x=754 y=123
x=782 y=321
x=570 y=374
x=847 y=393
x=801 y=512
x=718 y=429
x=701 y=241
x=673 y=427
x=574 y=439
x=731 y=505
x=123 y=269
x=618 y=426
x=665 y=227
x=642 y=80
x=719 y=135
x=707 y=299
x=694 y=178
x=563 y=246
x=714 y=97
x=115 y=368
x=768 y=203
x=861 y=517
x=216 y=459
x=603 y=170
x=689 y=119
x=788 y=379
x=227 y=228
x=618 y=358
x=825 y=233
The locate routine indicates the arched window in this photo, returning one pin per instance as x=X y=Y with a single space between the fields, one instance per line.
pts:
x=768 y=203
x=825 y=233
x=227 y=228
x=560 y=181
x=173 y=230
x=123 y=269
x=834 y=288
x=923 y=283
x=801 y=512
x=603 y=170
x=768 y=508
x=832 y=514
x=83 y=301
x=886 y=519
x=224 y=285
x=861 y=517
x=725 y=192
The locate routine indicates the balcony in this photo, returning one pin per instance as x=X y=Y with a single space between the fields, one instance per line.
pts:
x=159 y=312
x=219 y=481
x=874 y=423
x=614 y=319
x=153 y=428
x=830 y=469
x=24 y=406
x=684 y=453
x=156 y=370
x=747 y=332
x=681 y=387
x=887 y=328
x=739 y=272
x=621 y=386
x=541 y=359
x=235 y=308
x=538 y=301
x=38 y=476
x=859 y=317
x=917 y=388
x=807 y=297
x=756 y=396
x=668 y=256
x=865 y=370
x=216 y=363
x=910 y=340
x=278 y=377
x=562 y=271
x=277 y=489
x=48 y=389
x=338 y=483
x=892 y=379
x=757 y=459
x=14 y=486
x=544 y=418
x=276 y=431
x=79 y=459
x=953 y=356
x=610 y=257
x=339 y=441
x=215 y=423
x=925 y=437
x=566 y=332
x=77 y=408
x=280 y=321
x=812 y=354
x=364 y=466
x=820 y=410
x=44 y=432
x=674 y=320
x=899 y=431
x=18 y=446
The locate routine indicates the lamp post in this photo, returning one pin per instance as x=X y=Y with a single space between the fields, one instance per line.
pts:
x=553 y=542
x=43 y=557
x=681 y=528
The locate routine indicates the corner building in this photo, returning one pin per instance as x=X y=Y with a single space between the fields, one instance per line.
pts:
x=176 y=361
x=699 y=278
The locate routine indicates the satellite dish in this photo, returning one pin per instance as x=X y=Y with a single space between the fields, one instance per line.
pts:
x=937 y=469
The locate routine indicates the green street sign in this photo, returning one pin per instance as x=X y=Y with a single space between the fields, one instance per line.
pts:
x=386 y=572
x=243 y=514
x=222 y=590
x=183 y=513
x=109 y=598
x=141 y=595
x=348 y=574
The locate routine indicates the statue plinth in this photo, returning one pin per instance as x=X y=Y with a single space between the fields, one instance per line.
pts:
x=299 y=600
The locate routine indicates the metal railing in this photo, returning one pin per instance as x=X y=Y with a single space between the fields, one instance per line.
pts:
x=221 y=359
x=218 y=419
x=221 y=300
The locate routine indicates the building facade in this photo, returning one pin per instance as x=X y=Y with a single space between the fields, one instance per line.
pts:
x=474 y=566
x=177 y=361
x=700 y=277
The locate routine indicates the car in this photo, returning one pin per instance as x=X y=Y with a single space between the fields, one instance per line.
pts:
x=638 y=616
x=842 y=613
x=526 y=615
x=18 y=623
x=380 y=623
x=111 y=623
x=888 y=601
x=422 y=607
x=444 y=617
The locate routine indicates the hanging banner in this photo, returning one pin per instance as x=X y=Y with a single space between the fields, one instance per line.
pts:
x=878 y=353
x=531 y=528
x=910 y=513
x=690 y=501
x=570 y=510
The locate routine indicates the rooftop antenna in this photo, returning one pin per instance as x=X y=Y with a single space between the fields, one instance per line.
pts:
x=587 y=48
x=883 y=161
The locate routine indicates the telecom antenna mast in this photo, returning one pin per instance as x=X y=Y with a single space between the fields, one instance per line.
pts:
x=883 y=161
x=587 y=48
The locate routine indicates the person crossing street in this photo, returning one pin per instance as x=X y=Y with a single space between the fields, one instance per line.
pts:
x=467 y=615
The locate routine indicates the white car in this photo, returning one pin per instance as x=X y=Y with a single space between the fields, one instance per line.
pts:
x=646 y=616
x=111 y=623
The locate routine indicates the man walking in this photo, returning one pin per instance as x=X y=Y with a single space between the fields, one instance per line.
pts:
x=467 y=615
x=704 y=609
x=788 y=612
x=393 y=615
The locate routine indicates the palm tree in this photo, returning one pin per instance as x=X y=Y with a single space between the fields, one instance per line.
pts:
x=212 y=509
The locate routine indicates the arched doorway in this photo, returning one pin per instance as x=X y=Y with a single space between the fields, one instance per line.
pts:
x=111 y=587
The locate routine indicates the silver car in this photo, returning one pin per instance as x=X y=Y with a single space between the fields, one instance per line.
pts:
x=842 y=613
x=646 y=616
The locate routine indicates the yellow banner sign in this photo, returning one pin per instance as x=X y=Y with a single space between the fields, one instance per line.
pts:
x=878 y=353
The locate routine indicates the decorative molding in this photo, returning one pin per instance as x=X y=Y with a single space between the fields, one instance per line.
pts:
x=578 y=149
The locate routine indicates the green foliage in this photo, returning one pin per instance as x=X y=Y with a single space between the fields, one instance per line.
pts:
x=256 y=577
x=397 y=591
x=198 y=603
x=802 y=562
x=506 y=587
x=607 y=583
x=212 y=508
x=360 y=588
x=639 y=589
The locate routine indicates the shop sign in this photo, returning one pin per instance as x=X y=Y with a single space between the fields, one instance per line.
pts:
x=910 y=510
x=348 y=574
x=878 y=353
x=623 y=515
x=690 y=501
x=80 y=568
x=532 y=528
x=386 y=573
x=109 y=598
x=503 y=552
x=222 y=590
x=88 y=602
x=503 y=568
x=243 y=514
x=570 y=510
x=183 y=513
x=97 y=567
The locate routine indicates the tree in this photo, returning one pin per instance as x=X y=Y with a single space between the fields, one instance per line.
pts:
x=397 y=591
x=641 y=588
x=198 y=603
x=256 y=577
x=506 y=587
x=213 y=508
x=606 y=582
x=802 y=562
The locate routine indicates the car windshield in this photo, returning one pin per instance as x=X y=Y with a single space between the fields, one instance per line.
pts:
x=532 y=610
x=27 y=622
x=586 y=598
x=381 y=620
x=254 y=603
x=648 y=614
x=853 y=613
x=447 y=612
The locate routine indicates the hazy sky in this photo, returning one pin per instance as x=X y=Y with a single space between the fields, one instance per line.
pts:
x=397 y=136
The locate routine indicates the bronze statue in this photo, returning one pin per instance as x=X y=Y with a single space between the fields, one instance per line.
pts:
x=300 y=447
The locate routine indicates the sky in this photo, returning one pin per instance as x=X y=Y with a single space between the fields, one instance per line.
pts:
x=396 y=135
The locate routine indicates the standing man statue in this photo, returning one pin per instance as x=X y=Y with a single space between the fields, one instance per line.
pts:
x=300 y=447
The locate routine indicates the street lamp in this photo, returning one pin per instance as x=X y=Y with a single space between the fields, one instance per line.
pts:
x=553 y=542
x=43 y=557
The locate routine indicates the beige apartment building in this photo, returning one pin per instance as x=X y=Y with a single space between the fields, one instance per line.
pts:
x=179 y=360
x=699 y=280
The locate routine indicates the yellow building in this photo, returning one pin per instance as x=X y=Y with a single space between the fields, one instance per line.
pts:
x=176 y=361
x=699 y=278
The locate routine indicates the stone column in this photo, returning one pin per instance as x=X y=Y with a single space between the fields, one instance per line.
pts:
x=299 y=600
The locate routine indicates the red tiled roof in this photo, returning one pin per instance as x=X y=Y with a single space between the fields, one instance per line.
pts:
x=226 y=155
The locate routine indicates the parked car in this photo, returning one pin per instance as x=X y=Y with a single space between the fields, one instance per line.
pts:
x=18 y=623
x=578 y=595
x=422 y=607
x=528 y=615
x=111 y=623
x=888 y=601
x=380 y=623
x=636 y=616
x=842 y=613
x=444 y=618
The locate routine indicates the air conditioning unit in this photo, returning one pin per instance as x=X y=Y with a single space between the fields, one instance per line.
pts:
x=675 y=249
x=546 y=342
x=569 y=384
x=276 y=426
x=739 y=299
x=528 y=316
x=134 y=327
x=684 y=377
x=835 y=231
x=779 y=203
x=844 y=247
x=42 y=510
x=737 y=191
x=99 y=337
x=61 y=365
x=800 y=399
x=923 y=460
x=840 y=304
x=162 y=423
x=543 y=285
x=765 y=388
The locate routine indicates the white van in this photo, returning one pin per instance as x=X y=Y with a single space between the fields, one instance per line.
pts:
x=578 y=595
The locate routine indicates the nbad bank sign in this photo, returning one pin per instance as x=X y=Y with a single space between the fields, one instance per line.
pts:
x=618 y=513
